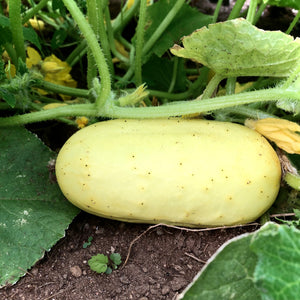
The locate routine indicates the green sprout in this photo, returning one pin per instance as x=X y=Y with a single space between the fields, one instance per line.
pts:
x=100 y=263
x=88 y=243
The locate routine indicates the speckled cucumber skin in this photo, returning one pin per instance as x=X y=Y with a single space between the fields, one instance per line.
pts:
x=192 y=173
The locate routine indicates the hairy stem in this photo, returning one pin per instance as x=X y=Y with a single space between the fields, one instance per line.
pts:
x=139 y=43
x=111 y=110
x=34 y=10
x=95 y=49
x=16 y=27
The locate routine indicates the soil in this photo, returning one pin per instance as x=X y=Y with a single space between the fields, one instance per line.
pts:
x=162 y=260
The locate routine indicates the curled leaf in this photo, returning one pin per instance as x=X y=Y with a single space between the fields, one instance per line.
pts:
x=284 y=133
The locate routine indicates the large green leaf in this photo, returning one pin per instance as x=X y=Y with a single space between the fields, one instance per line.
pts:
x=33 y=211
x=260 y=265
x=284 y=3
x=277 y=273
x=158 y=72
x=237 y=48
x=185 y=22
x=228 y=275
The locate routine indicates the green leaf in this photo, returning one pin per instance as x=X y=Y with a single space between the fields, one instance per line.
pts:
x=289 y=105
x=33 y=212
x=157 y=74
x=277 y=273
x=228 y=274
x=31 y=36
x=8 y=97
x=260 y=265
x=285 y=3
x=98 y=263
x=4 y=21
x=237 y=48
x=5 y=35
x=59 y=4
x=115 y=258
x=185 y=22
x=58 y=38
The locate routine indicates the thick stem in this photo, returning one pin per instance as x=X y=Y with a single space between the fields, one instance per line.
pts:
x=163 y=26
x=235 y=12
x=16 y=27
x=217 y=10
x=251 y=11
x=294 y=22
x=92 y=14
x=139 y=43
x=179 y=108
x=259 y=12
x=49 y=114
x=199 y=106
x=125 y=16
x=95 y=48
x=212 y=85
x=103 y=36
x=61 y=89
x=34 y=10
x=174 y=74
x=77 y=53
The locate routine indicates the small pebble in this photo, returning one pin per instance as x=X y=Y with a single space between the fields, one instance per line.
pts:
x=165 y=290
x=124 y=280
x=76 y=271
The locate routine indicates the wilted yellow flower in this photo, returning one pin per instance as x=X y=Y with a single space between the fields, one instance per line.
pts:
x=82 y=122
x=37 y=24
x=52 y=68
x=285 y=134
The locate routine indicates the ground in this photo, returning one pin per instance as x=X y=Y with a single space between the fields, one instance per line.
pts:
x=162 y=262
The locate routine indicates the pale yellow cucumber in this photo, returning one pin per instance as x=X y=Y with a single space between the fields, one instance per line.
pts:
x=186 y=172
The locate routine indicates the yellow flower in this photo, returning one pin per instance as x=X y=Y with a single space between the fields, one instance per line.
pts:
x=52 y=68
x=130 y=3
x=33 y=58
x=285 y=134
x=82 y=122
x=37 y=24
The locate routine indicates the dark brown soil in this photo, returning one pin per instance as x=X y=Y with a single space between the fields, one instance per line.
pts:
x=161 y=264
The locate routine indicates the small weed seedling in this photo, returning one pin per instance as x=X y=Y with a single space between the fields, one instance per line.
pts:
x=101 y=263
x=88 y=243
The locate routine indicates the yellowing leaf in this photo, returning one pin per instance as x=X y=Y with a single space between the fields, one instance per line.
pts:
x=284 y=133
x=53 y=105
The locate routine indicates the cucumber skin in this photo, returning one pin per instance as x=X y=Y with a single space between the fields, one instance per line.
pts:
x=192 y=173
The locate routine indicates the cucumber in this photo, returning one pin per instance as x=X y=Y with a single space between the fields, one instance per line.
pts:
x=192 y=173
